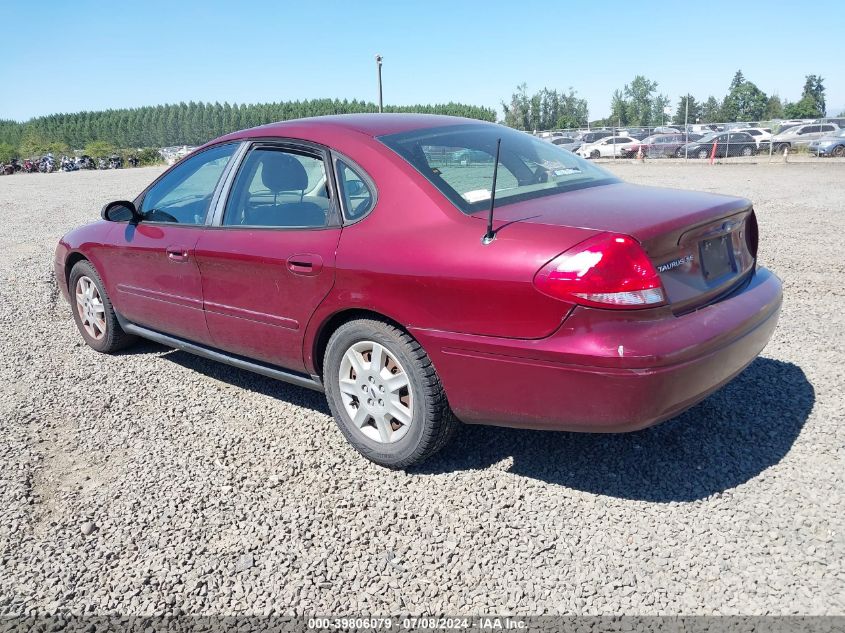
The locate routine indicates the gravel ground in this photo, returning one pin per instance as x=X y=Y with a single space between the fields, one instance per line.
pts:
x=156 y=482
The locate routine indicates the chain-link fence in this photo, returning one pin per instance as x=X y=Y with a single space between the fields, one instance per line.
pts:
x=776 y=140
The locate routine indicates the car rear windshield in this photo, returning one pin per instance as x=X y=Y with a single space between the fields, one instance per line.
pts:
x=458 y=160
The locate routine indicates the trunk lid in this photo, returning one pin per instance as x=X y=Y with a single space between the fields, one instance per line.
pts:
x=702 y=244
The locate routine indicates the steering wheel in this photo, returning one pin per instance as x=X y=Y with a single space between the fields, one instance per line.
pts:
x=157 y=215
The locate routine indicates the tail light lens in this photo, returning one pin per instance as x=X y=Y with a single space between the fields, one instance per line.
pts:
x=751 y=235
x=605 y=271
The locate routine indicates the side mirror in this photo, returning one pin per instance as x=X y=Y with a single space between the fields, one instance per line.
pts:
x=120 y=211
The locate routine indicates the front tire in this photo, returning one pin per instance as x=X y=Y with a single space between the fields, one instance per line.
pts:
x=93 y=312
x=702 y=153
x=595 y=154
x=747 y=151
x=385 y=394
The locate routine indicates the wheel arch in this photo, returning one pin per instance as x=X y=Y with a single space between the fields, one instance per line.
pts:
x=330 y=324
x=72 y=259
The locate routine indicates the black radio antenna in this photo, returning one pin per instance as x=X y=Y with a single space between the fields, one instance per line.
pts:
x=490 y=235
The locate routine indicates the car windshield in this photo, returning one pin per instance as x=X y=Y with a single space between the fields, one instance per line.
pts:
x=458 y=160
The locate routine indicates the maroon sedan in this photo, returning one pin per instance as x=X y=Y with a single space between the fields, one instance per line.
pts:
x=345 y=254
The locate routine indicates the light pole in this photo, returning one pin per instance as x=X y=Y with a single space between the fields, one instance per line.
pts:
x=378 y=67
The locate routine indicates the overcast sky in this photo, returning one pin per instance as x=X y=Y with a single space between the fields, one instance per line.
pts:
x=72 y=56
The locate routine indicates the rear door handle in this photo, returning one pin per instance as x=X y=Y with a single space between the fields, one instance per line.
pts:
x=305 y=264
x=177 y=253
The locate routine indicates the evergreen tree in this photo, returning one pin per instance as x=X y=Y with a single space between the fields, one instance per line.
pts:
x=710 y=110
x=681 y=116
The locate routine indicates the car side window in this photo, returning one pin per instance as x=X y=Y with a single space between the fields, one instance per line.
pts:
x=183 y=194
x=279 y=187
x=358 y=196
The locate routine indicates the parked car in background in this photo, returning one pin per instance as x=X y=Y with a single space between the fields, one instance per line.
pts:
x=727 y=144
x=638 y=132
x=660 y=145
x=802 y=135
x=833 y=145
x=566 y=142
x=330 y=253
x=665 y=129
x=470 y=156
x=840 y=121
x=610 y=147
x=761 y=135
x=593 y=136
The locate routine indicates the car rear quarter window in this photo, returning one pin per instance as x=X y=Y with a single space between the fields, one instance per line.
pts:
x=356 y=190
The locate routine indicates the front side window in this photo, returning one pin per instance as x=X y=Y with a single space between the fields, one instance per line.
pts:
x=358 y=196
x=183 y=194
x=459 y=161
x=278 y=187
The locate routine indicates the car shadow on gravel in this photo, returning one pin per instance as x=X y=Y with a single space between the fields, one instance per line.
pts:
x=250 y=381
x=729 y=438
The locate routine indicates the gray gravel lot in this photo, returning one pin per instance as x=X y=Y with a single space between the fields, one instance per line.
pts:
x=156 y=482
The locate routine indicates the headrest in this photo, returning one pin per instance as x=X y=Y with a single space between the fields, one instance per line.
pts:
x=282 y=172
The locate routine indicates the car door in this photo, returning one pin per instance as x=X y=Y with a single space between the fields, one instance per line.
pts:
x=807 y=134
x=268 y=259
x=722 y=145
x=155 y=278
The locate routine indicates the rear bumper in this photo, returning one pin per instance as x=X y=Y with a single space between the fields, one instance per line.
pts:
x=605 y=370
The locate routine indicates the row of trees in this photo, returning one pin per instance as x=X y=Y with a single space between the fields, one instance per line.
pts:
x=639 y=103
x=544 y=110
x=184 y=123
x=746 y=102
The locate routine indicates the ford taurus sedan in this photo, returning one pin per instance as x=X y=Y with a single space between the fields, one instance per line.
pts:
x=351 y=255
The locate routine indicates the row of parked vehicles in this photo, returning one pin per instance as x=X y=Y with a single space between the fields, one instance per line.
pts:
x=47 y=164
x=825 y=138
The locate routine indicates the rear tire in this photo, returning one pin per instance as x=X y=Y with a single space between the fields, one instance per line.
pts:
x=782 y=147
x=838 y=151
x=403 y=381
x=93 y=312
x=747 y=151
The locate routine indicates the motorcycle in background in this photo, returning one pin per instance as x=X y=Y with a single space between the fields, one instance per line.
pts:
x=11 y=167
x=115 y=162
x=133 y=160
x=30 y=166
x=47 y=164
x=68 y=164
x=84 y=162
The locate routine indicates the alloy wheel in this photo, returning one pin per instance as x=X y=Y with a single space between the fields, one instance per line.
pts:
x=376 y=392
x=89 y=306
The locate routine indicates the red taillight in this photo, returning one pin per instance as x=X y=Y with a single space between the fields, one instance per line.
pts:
x=607 y=271
x=751 y=235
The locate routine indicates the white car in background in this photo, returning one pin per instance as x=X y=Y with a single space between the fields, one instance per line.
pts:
x=761 y=135
x=608 y=147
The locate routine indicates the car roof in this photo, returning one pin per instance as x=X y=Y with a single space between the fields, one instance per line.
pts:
x=370 y=124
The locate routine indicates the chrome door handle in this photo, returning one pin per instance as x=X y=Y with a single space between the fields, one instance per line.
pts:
x=177 y=254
